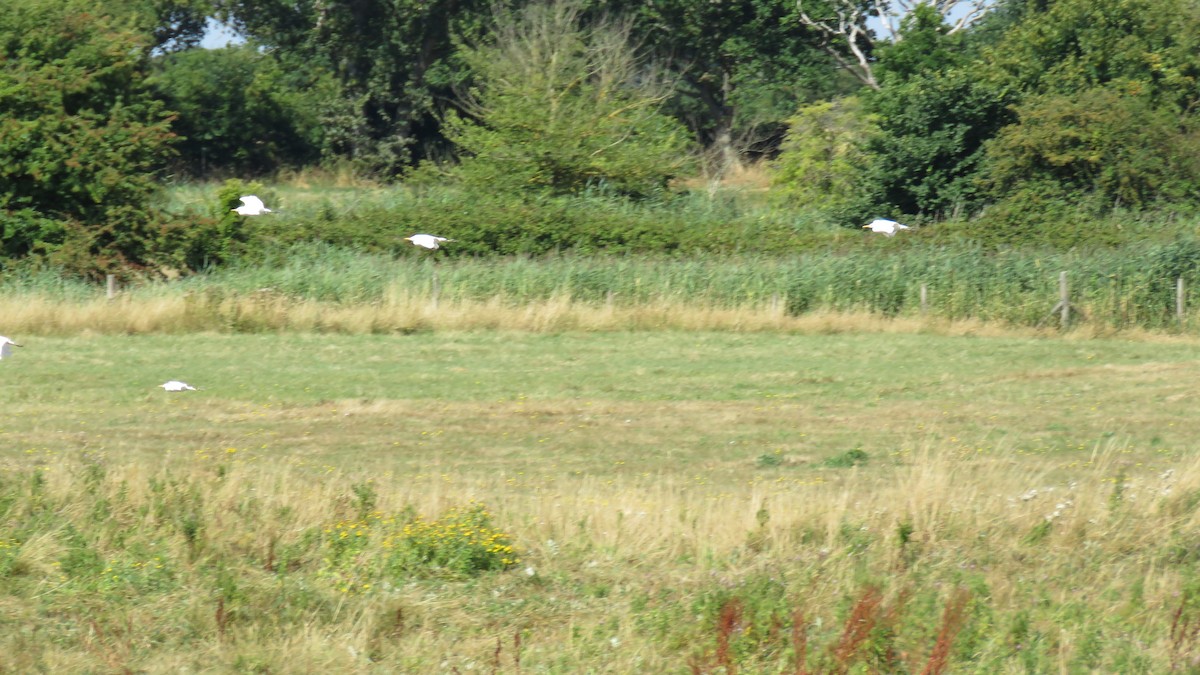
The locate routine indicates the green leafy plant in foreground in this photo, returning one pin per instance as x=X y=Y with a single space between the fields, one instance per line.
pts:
x=848 y=459
x=461 y=543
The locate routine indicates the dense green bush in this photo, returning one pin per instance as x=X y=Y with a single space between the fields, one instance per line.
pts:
x=214 y=235
x=561 y=107
x=80 y=136
x=1107 y=143
x=240 y=110
x=484 y=223
x=823 y=156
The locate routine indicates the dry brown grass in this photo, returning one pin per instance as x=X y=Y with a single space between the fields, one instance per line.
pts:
x=401 y=312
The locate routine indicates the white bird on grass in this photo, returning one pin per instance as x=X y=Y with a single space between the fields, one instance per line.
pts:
x=176 y=385
x=427 y=241
x=251 y=206
x=6 y=346
x=885 y=227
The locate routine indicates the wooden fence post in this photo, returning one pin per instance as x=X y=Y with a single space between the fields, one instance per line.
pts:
x=1179 y=300
x=1064 y=300
x=110 y=286
x=1063 y=308
x=924 y=299
x=434 y=288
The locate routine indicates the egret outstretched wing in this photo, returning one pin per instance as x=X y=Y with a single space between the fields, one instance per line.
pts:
x=885 y=227
x=428 y=241
x=252 y=206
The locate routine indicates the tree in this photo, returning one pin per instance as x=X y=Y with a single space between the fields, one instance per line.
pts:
x=1108 y=143
x=394 y=59
x=80 y=133
x=242 y=111
x=1108 y=99
x=1074 y=45
x=742 y=67
x=935 y=114
x=561 y=107
x=823 y=157
x=852 y=43
x=174 y=24
x=934 y=127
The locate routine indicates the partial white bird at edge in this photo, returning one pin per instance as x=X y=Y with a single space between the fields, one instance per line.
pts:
x=6 y=346
x=176 y=385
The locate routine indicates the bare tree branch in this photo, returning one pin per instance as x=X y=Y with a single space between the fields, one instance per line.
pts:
x=850 y=25
x=845 y=32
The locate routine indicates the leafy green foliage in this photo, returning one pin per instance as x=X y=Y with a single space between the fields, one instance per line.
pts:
x=80 y=134
x=217 y=236
x=171 y=25
x=462 y=542
x=822 y=157
x=375 y=547
x=1074 y=45
x=1107 y=142
x=1102 y=120
x=561 y=109
x=934 y=119
x=847 y=460
x=742 y=67
x=1047 y=115
x=494 y=223
x=394 y=59
x=927 y=46
x=240 y=110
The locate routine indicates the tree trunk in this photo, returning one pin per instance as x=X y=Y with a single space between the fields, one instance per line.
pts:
x=726 y=157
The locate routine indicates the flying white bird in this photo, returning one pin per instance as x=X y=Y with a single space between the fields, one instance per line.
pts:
x=251 y=206
x=6 y=346
x=427 y=241
x=885 y=227
x=176 y=385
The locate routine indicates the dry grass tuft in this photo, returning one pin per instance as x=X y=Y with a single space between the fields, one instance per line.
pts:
x=402 y=312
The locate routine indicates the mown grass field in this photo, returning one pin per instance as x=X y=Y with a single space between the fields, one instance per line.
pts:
x=617 y=502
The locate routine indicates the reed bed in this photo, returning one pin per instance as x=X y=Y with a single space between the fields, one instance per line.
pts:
x=325 y=288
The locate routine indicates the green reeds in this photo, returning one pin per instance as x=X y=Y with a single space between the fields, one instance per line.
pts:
x=1131 y=288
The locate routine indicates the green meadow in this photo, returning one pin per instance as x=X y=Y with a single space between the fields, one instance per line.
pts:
x=609 y=502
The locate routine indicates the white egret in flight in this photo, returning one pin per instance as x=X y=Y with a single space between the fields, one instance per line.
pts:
x=176 y=385
x=252 y=206
x=427 y=241
x=885 y=227
x=6 y=346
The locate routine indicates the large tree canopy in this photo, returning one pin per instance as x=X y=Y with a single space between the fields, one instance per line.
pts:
x=742 y=67
x=394 y=58
x=1108 y=100
x=80 y=133
x=242 y=111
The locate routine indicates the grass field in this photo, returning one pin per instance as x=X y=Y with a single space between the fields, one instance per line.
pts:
x=612 y=502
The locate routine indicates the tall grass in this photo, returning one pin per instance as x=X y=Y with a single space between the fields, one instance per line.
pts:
x=244 y=562
x=310 y=285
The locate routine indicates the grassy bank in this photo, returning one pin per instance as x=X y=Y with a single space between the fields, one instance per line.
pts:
x=673 y=502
